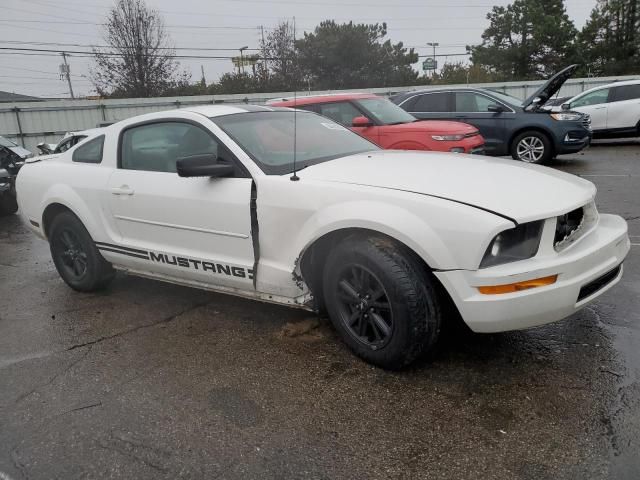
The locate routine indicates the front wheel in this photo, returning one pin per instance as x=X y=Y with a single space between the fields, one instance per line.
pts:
x=75 y=256
x=381 y=301
x=532 y=147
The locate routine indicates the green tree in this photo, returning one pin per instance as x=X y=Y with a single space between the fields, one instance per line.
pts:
x=352 y=55
x=459 y=73
x=528 y=39
x=610 y=41
x=279 y=51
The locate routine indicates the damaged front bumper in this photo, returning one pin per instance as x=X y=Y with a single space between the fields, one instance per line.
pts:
x=584 y=272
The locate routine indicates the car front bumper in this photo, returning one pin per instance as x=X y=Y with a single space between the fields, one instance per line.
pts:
x=585 y=270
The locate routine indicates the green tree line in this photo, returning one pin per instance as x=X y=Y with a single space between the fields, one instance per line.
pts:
x=525 y=40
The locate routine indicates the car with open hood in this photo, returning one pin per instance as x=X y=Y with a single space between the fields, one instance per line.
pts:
x=523 y=129
x=388 y=126
x=287 y=206
x=12 y=157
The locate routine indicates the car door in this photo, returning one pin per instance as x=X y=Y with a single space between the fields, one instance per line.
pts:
x=596 y=105
x=198 y=229
x=473 y=108
x=624 y=108
x=430 y=106
x=344 y=113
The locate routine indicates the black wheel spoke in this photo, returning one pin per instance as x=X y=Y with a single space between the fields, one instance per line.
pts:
x=381 y=305
x=351 y=292
x=66 y=240
x=77 y=267
x=354 y=317
x=380 y=324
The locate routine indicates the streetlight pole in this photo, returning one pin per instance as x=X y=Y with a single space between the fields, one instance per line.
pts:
x=434 y=45
x=66 y=73
x=241 y=59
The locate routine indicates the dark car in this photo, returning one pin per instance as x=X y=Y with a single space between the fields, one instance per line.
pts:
x=523 y=129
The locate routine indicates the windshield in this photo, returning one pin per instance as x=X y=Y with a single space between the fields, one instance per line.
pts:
x=267 y=137
x=507 y=98
x=5 y=142
x=384 y=111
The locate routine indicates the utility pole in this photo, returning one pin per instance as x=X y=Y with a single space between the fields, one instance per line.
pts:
x=65 y=72
x=204 y=81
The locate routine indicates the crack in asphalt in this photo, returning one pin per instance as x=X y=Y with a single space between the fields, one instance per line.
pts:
x=139 y=327
x=19 y=466
x=53 y=378
x=84 y=407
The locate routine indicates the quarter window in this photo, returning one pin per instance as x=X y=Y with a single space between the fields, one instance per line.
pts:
x=90 y=152
x=470 y=102
x=432 y=102
x=593 y=98
x=341 y=112
x=626 y=92
x=156 y=147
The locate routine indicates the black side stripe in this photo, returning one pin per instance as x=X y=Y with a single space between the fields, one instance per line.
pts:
x=121 y=252
x=118 y=247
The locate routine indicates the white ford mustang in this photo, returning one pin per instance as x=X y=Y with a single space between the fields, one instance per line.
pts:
x=383 y=240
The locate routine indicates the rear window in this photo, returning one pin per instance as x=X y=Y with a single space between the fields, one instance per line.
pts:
x=432 y=102
x=90 y=152
x=626 y=92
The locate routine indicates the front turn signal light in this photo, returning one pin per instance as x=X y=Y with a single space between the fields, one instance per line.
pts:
x=518 y=286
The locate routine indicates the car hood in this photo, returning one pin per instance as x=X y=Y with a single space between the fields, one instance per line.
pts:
x=21 y=152
x=432 y=126
x=518 y=191
x=550 y=88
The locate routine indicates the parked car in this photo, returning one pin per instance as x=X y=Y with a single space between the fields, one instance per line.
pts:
x=509 y=126
x=388 y=126
x=12 y=157
x=290 y=207
x=614 y=109
x=69 y=140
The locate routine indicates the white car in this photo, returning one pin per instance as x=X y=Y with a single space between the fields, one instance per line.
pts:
x=69 y=140
x=292 y=208
x=614 y=109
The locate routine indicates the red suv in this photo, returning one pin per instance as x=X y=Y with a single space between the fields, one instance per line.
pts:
x=388 y=126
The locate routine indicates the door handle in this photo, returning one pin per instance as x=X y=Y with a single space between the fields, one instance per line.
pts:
x=599 y=108
x=122 y=190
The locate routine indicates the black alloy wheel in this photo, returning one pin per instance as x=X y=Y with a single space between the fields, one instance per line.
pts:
x=364 y=307
x=68 y=248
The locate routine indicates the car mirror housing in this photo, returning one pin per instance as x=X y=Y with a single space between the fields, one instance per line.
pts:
x=361 y=121
x=203 y=165
x=495 y=108
x=565 y=106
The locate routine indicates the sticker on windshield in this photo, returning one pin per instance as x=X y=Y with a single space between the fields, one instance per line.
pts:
x=333 y=126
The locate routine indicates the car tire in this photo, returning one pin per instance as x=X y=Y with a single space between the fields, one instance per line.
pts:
x=532 y=146
x=75 y=255
x=8 y=204
x=381 y=301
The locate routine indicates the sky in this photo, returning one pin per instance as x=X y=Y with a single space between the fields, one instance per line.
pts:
x=223 y=24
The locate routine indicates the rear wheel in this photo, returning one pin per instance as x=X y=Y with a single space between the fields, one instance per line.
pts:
x=75 y=256
x=381 y=302
x=532 y=147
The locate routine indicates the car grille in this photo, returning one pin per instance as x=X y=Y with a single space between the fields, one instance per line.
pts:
x=573 y=225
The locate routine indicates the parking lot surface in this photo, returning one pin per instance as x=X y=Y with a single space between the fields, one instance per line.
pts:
x=151 y=380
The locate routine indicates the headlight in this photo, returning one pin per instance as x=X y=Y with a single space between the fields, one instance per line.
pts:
x=448 y=138
x=514 y=244
x=566 y=116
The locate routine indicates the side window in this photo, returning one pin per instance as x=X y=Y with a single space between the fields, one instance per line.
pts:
x=470 y=102
x=409 y=104
x=593 y=98
x=341 y=112
x=432 y=102
x=156 y=147
x=626 y=92
x=90 y=152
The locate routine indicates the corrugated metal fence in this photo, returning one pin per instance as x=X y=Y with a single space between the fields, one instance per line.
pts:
x=32 y=123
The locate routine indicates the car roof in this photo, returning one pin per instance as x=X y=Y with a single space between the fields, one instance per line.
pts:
x=220 y=110
x=609 y=85
x=314 y=99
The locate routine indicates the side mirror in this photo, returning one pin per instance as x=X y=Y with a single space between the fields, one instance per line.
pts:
x=203 y=165
x=361 y=122
x=495 y=108
x=565 y=106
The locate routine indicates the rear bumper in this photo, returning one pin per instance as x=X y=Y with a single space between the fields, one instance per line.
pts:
x=585 y=271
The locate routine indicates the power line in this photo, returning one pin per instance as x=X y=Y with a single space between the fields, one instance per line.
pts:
x=17 y=42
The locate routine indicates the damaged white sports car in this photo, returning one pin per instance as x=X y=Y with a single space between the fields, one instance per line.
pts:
x=382 y=240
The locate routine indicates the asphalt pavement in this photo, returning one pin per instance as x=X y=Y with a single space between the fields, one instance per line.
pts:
x=148 y=380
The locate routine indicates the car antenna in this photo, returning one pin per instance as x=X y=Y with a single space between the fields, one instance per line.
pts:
x=294 y=177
